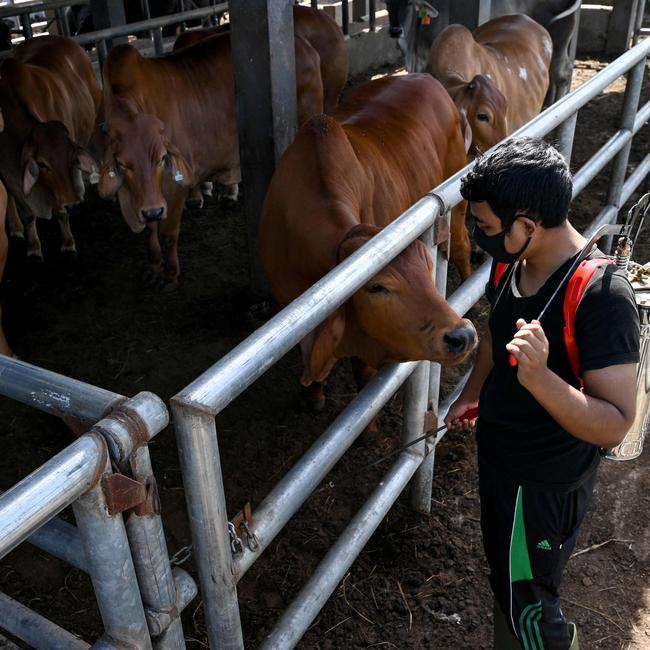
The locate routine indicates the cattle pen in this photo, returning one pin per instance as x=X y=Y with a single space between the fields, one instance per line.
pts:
x=139 y=591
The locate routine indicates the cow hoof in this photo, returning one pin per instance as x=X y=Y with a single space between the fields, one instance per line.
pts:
x=194 y=204
x=226 y=203
x=35 y=258
x=316 y=405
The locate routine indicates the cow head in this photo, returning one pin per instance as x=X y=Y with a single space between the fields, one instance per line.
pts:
x=483 y=106
x=142 y=166
x=413 y=23
x=397 y=316
x=51 y=159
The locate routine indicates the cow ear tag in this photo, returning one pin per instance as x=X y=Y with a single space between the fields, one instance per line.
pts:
x=426 y=20
x=93 y=178
x=424 y=17
x=178 y=176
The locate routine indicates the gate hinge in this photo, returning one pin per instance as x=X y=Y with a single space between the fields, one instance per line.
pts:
x=241 y=526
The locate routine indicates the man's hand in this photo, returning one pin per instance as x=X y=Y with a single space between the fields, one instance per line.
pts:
x=453 y=419
x=530 y=347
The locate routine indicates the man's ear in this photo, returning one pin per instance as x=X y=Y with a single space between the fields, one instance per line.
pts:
x=530 y=224
x=322 y=356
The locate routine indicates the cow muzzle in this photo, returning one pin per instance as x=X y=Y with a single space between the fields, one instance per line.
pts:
x=461 y=340
x=156 y=214
x=395 y=32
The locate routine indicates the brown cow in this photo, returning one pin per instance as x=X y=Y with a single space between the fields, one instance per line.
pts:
x=323 y=34
x=497 y=75
x=158 y=147
x=343 y=178
x=49 y=98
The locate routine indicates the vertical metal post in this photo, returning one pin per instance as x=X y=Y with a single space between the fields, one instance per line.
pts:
x=638 y=23
x=62 y=20
x=358 y=10
x=345 y=17
x=108 y=13
x=265 y=79
x=621 y=26
x=198 y=452
x=416 y=393
x=470 y=13
x=314 y=4
x=158 y=45
x=422 y=482
x=565 y=134
x=630 y=107
x=26 y=21
x=111 y=568
x=151 y=560
x=372 y=17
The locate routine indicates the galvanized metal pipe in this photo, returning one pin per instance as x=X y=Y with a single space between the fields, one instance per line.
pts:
x=301 y=480
x=565 y=134
x=146 y=25
x=630 y=106
x=151 y=562
x=372 y=15
x=416 y=397
x=305 y=607
x=54 y=393
x=198 y=452
x=34 y=629
x=46 y=491
x=61 y=539
x=110 y=568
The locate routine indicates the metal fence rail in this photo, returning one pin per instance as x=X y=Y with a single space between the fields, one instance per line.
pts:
x=138 y=595
x=195 y=407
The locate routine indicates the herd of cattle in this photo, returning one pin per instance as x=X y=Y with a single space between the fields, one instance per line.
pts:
x=163 y=130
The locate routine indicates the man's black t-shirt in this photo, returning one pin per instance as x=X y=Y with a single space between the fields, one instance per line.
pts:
x=515 y=433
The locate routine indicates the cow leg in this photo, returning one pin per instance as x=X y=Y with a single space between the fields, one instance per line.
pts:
x=4 y=250
x=34 y=250
x=228 y=194
x=363 y=373
x=170 y=230
x=461 y=248
x=206 y=188
x=154 y=272
x=194 y=199
x=68 y=244
x=16 y=228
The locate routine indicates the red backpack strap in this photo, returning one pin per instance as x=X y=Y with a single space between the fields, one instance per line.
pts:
x=499 y=269
x=575 y=290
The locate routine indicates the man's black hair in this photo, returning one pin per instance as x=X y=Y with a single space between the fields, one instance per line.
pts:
x=522 y=176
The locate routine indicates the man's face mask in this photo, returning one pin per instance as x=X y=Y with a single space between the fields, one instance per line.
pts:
x=494 y=246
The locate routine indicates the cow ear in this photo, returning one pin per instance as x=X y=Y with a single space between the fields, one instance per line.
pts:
x=30 y=176
x=466 y=129
x=86 y=162
x=321 y=358
x=178 y=167
x=110 y=181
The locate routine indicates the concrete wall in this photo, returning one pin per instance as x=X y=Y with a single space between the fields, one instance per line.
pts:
x=594 y=22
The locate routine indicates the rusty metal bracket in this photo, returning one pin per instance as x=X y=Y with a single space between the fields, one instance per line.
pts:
x=430 y=421
x=243 y=522
x=122 y=493
x=440 y=231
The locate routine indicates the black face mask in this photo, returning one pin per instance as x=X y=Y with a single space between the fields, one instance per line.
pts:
x=495 y=246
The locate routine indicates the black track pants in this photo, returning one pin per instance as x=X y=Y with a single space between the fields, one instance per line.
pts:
x=528 y=535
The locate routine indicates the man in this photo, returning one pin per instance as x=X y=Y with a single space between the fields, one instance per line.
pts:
x=539 y=435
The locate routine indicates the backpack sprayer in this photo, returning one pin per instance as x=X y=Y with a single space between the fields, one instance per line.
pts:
x=639 y=277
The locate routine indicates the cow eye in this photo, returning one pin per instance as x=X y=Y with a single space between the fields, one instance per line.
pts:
x=43 y=165
x=377 y=288
x=482 y=117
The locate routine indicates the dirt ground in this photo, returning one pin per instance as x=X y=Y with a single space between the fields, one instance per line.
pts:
x=421 y=582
